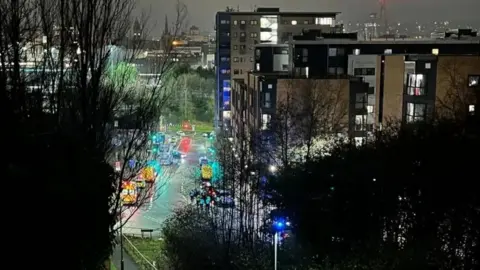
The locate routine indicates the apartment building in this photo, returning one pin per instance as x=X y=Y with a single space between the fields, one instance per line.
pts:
x=258 y=100
x=237 y=33
x=442 y=66
x=381 y=81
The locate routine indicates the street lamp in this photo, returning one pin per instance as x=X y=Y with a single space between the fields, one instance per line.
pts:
x=272 y=168
x=279 y=226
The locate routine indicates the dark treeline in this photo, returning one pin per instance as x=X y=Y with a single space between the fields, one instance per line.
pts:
x=60 y=108
x=406 y=200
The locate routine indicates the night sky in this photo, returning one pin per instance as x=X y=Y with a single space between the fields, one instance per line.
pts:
x=202 y=12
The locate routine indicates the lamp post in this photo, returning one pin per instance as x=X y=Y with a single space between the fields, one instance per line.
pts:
x=122 y=262
x=279 y=225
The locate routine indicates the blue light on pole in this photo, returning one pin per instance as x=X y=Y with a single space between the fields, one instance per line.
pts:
x=279 y=225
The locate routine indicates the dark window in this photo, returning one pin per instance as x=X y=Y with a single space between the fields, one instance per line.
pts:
x=235 y=47
x=416 y=84
x=364 y=71
x=267 y=102
x=234 y=34
x=257 y=54
x=236 y=72
x=360 y=100
x=416 y=112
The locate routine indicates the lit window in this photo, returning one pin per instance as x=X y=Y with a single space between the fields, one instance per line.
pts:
x=388 y=51
x=235 y=22
x=369 y=108
x=242 y=22
x=356 y=52
x=360 y=122
x=257 y=66
x=435 y=51
x=471 y=108
x=416 y=112
x=294 y=22
x=359 y=141
x=270 y=86
x=324 y=21
x=415 y=84
x=266 y=120
x=473 y=80
x=235 y=59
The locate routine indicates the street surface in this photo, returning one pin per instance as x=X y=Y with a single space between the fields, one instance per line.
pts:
x=169 y=193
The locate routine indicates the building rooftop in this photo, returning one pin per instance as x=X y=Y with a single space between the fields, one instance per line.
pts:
x=474 y=40
x=283 y=13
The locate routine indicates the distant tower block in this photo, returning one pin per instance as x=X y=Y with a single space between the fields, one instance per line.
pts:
x=383 y=15
x=371 y=27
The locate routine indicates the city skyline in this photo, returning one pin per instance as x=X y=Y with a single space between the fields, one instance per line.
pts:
x=202 y=13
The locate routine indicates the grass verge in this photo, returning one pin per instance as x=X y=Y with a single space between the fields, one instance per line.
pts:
x=149 y=248
x=200 y=127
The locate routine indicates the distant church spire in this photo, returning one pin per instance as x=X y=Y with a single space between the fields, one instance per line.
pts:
x=166 y=30
x=137 y=29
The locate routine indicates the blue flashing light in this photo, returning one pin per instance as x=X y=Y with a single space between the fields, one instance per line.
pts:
x=279 y=225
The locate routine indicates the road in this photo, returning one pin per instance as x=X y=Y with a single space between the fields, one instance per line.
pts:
x=171 y=191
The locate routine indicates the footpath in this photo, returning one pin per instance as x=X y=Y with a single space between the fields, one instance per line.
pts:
x=129 y=264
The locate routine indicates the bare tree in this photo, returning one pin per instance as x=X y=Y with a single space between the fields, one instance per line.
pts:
x=309 y=113
x=68 y=67
x=454 y=96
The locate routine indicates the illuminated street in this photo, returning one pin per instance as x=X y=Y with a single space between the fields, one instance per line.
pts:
x=170 y=191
